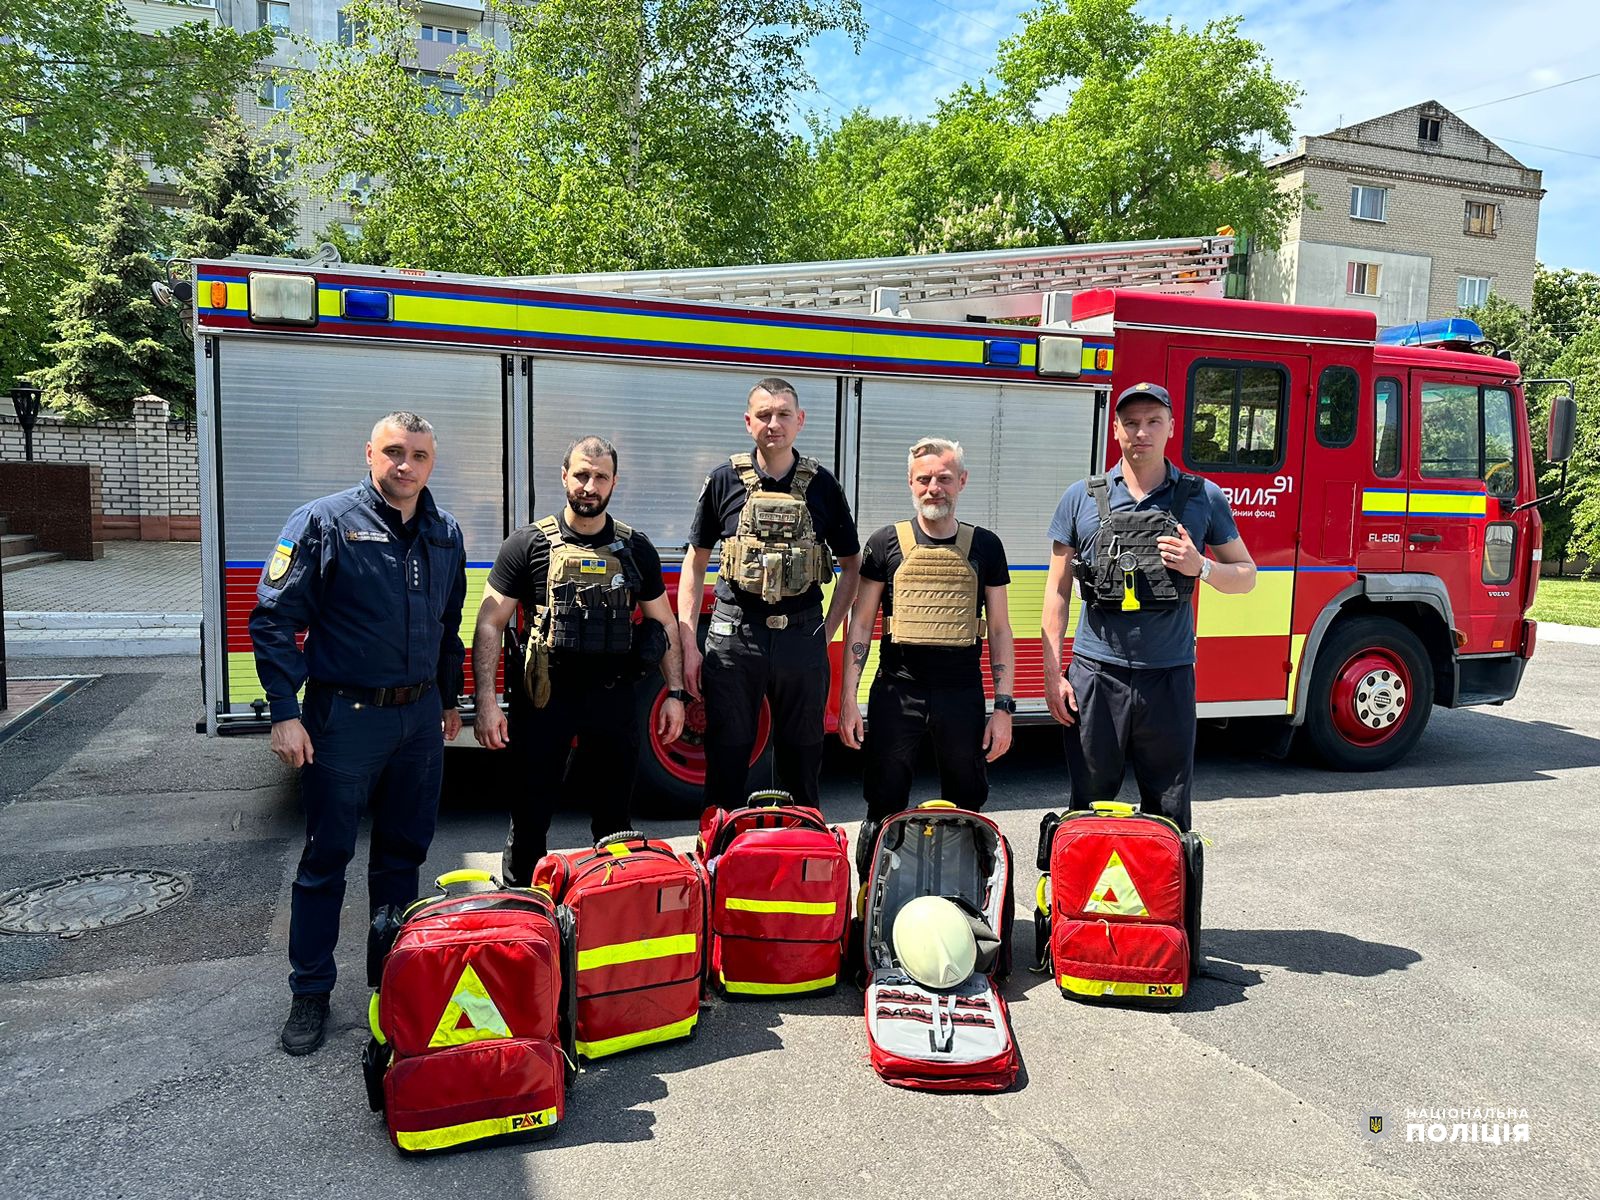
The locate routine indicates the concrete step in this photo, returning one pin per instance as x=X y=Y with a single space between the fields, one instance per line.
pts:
x=100 y=643
x=22 y=562
x=25 y=619
x=15 y=545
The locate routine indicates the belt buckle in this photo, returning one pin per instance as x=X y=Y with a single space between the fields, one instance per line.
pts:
x=778 y=622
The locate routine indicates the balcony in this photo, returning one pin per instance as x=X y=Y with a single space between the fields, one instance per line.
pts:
x=152 y=16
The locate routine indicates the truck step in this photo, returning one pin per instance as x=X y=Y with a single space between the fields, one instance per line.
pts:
x=21 y=562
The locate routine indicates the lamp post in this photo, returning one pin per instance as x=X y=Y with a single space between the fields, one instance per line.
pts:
x=25 y=399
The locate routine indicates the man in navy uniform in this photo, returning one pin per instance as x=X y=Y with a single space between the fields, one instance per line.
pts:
x=375 y=576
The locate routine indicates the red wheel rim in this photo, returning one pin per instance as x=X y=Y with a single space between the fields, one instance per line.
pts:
x=685 y=759
x=1372 y=696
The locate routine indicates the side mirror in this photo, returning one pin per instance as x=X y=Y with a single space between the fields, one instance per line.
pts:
x=1562 y=429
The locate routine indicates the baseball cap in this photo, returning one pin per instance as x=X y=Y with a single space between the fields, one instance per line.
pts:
x=1144 y=391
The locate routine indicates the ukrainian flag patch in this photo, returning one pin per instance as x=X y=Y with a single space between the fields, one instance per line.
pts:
x=282 y=560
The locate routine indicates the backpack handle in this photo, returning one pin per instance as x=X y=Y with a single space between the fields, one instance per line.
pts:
x=465 y=875
x=937 y=804
x=626 y=835
x=1112 y=808
x=769 y=798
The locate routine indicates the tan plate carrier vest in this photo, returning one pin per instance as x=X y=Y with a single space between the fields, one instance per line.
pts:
x=775 y=552
x=590 y=593
x=935 y=592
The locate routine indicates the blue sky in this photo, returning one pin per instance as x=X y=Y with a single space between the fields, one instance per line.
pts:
x=1354 y=59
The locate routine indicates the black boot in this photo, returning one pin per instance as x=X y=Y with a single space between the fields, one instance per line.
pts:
x=303 y=1031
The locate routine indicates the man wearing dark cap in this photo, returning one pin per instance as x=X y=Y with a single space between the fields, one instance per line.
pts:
x=1128 y=697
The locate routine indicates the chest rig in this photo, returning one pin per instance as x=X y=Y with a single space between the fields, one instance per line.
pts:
x=775 y=552
x=590 y=593
x=1127 y=573
x=935 y=592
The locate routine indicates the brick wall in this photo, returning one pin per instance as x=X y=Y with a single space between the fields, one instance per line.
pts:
x=149 y=468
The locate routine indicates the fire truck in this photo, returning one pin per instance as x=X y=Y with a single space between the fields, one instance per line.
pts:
x=1385 y=486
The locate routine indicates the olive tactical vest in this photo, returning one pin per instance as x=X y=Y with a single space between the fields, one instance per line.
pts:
x=590 y=593
x=1127 y=573
x=775 y=552
x=935 y=592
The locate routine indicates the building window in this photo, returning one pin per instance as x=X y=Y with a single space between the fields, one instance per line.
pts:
x=1361 y=279
x=1481 y=218
x=349 y=29
x=274 y=95
x=443 y=33
x=1236 y=415
x=273 y=15
x=1338 y=396
x=1428 y=130
x=280 y=161
x=441 y=95
x=1368 y=203
x=1472 y=291
x=1386 y=429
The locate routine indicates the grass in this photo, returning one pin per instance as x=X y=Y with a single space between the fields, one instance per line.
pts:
x=1568 y=602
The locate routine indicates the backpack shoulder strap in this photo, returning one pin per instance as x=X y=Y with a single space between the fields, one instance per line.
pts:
x=744 y=465
x=907 y=538
x=804 y=472
x=1100 y=489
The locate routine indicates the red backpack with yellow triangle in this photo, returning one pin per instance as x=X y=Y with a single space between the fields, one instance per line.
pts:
x=472 y=1026
x=1117 y=913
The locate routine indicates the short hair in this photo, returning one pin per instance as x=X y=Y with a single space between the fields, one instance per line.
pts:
x=408 y=422
x=936 y=445
x=590 y=445
x=773 y=386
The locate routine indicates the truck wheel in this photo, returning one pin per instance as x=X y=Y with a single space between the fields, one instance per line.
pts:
x=672 y=778
x=1371 y=695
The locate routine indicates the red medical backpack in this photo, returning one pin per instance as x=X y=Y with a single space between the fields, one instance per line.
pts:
x=639 y=906
x=780 y=897
x=471 y=1028
x=1118 y=913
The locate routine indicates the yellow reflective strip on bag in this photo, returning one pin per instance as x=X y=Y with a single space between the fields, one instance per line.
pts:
x=472 y=1131
x=800 y=908
x=630 y=1041
x=777 y=989
x=645 y=948
x=1108 y=987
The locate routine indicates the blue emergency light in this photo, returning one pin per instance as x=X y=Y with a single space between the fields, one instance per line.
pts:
x=1438 y=332
x=1002 y=353
x=366 y=304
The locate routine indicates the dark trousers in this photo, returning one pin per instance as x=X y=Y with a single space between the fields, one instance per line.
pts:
x=899 y=715
x=1137 y=715
x=599 y=772
x=789 y=668
x=389 y=758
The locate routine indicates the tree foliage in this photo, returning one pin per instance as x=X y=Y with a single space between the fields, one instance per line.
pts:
x=236 y=205
x=77 y=85
x=610 y=134
x=113 y=343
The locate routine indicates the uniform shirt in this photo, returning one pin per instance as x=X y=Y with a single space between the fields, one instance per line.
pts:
x=521 y=570
x=932 y=666
x=378 y=609
x=1149 y=637
x=716 y=516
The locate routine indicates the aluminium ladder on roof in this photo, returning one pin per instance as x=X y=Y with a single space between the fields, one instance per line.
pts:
x=991 y=284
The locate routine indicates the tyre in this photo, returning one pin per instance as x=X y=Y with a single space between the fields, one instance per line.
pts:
x=672 y=778
x=1371 y=695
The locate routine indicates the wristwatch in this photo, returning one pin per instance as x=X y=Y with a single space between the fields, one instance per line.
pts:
x=678 y=694
x=1205 y=569
x=1005 y=704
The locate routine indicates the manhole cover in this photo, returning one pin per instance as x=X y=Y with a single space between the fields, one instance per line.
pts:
x=89 y=900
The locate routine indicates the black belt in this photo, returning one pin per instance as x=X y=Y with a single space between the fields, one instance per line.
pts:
x=737 y=616
x=390 y=697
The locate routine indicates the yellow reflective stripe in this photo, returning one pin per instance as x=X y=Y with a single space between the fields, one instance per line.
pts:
x=777 y=989
x=800 y=908
x=1108 y=987
x=1265 y=609
x=645 y=948
x=1381 y=501
x=1297 y=651
x=630 y=1041
x=372 y=1020
x=1455 y=504
x=454 y=1135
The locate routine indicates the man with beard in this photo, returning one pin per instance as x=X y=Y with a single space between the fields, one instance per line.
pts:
x=936 y=579
x=375 y=577
x=781 y=517
x=579 y=576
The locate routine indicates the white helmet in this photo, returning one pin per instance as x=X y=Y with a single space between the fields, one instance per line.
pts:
x=933 y=942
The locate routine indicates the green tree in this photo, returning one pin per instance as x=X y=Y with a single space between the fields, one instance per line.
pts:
x=1580 y=362
x=611 y=134
x=113 y=343
x=78 y=84
x=236 y=206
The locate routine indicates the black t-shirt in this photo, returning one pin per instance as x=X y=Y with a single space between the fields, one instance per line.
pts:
x=716 y=516
x=522 y=566
x=932 y=666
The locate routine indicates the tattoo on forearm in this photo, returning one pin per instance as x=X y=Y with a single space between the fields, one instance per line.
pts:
x=999 y=673
x=485 y=659
x=858 y=652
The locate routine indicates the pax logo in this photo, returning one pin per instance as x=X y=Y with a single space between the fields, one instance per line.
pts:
x=534 y=1120
x=1160 y=989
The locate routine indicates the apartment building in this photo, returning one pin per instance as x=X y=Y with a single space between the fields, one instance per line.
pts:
x=440 y=28
x=1410 y=215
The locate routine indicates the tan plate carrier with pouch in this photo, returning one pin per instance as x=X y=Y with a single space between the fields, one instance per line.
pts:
x=935 y=592
x=775 y=553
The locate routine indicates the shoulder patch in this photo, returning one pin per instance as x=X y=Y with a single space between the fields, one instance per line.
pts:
x=282 y=560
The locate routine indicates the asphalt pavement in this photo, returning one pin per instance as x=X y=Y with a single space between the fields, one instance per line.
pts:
x=1376 y=943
